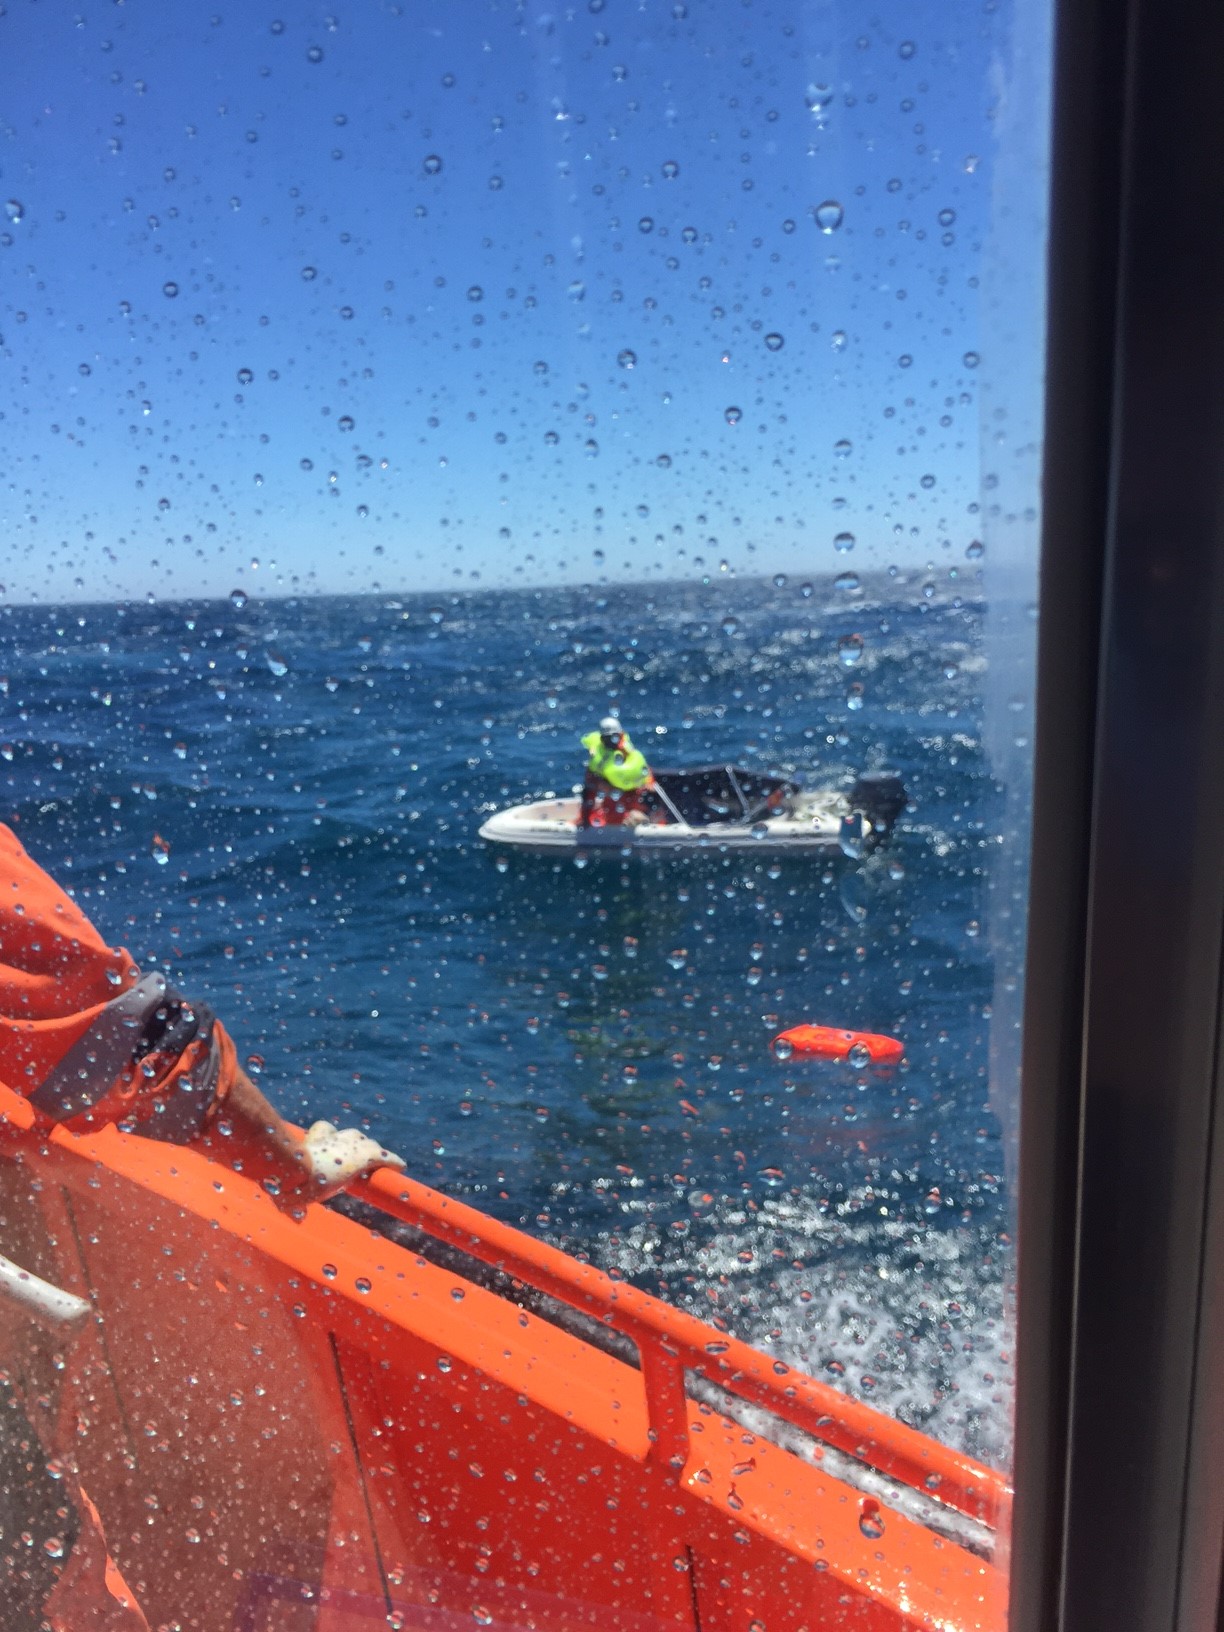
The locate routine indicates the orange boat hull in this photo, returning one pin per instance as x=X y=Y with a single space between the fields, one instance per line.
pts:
x=299 y=1424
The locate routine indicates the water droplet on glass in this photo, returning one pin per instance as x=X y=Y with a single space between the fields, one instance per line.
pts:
x=627 y=359
x=971 y=359
x=854 y=697
x=346 y=422
x=475 y=293
x=444 y=1362
x=733 y=415
x=481 y=1615
x=829 y=215
x=689 y=235
x=782 y=1049
x=843 y=542
x=849 y=650
x=54 y=1547
x=670 y=170
x=859 y=1056
x=14 y=210
x=678 y=958
x=314 y=53
x=277 y=664
x=975 y=550
x=842 y=448
x=729 y=625
x=646 y=224
x=846 y=581
x=238 y=599
x=871 y=1521
x=906 y=49
x=774 y=342
x=245 y=376
x=432 y=164
x=329 y=1272
x=576 y=290
x=436 y=614
x=170 y=290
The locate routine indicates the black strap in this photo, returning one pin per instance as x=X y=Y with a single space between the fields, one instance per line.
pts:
x=149 y=1018
x=101 y=1055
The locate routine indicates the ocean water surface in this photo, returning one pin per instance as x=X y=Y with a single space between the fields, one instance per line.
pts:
x=277 y=802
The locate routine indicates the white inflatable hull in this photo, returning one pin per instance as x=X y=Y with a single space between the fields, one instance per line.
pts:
x=814 y=823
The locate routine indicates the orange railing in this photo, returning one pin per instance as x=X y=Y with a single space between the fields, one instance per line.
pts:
x=670 y=1343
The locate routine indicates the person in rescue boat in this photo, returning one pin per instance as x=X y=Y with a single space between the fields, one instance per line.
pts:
x=616 y=773
x=88 y=1040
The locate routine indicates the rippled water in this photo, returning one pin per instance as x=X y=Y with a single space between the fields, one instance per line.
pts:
x=278 y=803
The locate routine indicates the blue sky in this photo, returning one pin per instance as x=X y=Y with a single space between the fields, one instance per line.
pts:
x=409 y=297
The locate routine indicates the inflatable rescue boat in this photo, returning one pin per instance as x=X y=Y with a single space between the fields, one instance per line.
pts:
x=391 y=1410
x=721 y=807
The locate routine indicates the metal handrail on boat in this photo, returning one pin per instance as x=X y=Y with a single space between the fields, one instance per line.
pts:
x=671 y=1342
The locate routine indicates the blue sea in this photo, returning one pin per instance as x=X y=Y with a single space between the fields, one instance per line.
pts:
x=277 y=803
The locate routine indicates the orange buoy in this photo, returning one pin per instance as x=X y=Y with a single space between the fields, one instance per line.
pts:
x=832 y=1043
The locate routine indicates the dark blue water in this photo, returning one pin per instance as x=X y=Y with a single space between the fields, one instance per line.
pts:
x=277 y=803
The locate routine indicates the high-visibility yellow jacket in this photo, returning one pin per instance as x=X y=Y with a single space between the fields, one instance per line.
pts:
x=623 y=767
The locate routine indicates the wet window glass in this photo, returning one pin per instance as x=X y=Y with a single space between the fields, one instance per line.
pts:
x=516 y=645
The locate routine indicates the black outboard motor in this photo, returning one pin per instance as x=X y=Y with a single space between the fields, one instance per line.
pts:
x=881 y=797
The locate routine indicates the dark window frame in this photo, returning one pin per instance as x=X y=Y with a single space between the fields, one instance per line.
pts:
x=1120 y=1412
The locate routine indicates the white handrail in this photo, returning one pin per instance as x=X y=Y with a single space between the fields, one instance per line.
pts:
x=27 y=1294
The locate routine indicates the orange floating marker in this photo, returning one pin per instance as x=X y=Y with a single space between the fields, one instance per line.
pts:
x=831 y=1043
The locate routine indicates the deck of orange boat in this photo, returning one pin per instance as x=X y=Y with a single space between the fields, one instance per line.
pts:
x=297 y=1423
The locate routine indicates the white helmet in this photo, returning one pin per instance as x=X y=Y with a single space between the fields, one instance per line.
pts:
x=609 y=726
